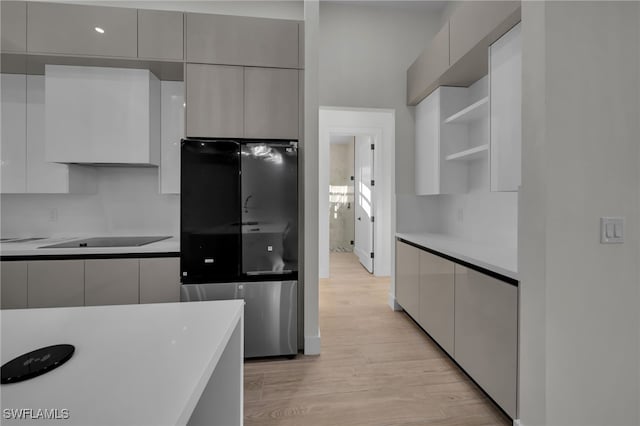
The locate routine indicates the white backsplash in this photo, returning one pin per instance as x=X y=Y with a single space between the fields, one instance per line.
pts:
x=127 y=203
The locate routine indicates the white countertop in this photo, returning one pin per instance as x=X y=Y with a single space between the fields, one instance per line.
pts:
x=133 y=364
x=502 y=260
x=31 y=248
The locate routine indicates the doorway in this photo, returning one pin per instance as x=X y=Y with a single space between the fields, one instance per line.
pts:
x=373 y=134
x=351 y=196
x=341 y=194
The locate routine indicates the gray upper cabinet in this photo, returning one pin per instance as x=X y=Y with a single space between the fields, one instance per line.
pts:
x=472 y=22
x=407 y=278
x=215 y=101
x=160 y=280
x=13 y=30
x=110 y=281
x=437 y=293
x=486 y=334
x=13 y=276
x=75 y=30
x=423 y=74
x=271 y=103
x=160 y=35
x=235 y=40
x=55 y=283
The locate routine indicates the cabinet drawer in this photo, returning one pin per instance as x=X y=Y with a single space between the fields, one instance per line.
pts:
x=486 y=334
x=55 y=283
x=437 y=299
x=407 y=279
x=160 y=280
x=111 y=281
x=13 y=277
x=235 y=40
x=71 y=29
x=13 y=28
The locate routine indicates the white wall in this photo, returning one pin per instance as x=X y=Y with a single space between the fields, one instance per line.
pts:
x=365 y=51
x=580 y=309
x=283 y=9
x=127 y=202
x=380 y=125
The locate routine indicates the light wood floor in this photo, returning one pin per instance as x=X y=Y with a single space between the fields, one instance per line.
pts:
x=377 y=368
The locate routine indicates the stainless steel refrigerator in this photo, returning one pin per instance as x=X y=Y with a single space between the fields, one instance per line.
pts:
x=239 y=234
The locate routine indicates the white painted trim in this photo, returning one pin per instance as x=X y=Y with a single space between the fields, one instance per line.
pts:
x=393 y=303
x=517 y=422
x=312 y=345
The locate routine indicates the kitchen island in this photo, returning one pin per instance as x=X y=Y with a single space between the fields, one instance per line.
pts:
x=155 y=364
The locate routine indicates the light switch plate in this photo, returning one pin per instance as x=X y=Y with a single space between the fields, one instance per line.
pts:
x=611 y=230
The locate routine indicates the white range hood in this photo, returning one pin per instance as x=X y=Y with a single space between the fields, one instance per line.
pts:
x=98 y=115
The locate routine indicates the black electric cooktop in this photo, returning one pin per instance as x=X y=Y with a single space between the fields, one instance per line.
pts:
x=108 y=242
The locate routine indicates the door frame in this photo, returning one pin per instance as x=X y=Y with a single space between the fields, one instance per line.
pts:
x=379 y=123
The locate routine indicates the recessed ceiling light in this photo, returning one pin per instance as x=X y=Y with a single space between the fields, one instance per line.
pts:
x=99 y=30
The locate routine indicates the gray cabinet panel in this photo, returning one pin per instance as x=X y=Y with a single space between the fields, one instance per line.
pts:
x=110 y=281
x=437 y=299
x=215 y=102
x=235 y=40
x=160 y=280
x=160 y=34
x=13 y=280
x=271 y=103
x=13 y=28
x=472 y=21
x=55 y=283
x=486 y=334
x=423 y=74
x=407 y=278
x=70 y=29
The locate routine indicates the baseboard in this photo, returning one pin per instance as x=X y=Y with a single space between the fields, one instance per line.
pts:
x=312 y=345
x=517 y=422
x=393 y=303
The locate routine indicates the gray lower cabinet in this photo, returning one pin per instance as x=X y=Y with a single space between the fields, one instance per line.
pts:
x=55 y=283
x=89 y=282
x=160 y=34
x=238 y=40
x=407 y=278
x=110 y=282
x=486 y=334
x=215 y=101
x=13 y=284
x=160 y=280
x=13 y=28
x=271 y=103
x=437 y=293
x=76 y=30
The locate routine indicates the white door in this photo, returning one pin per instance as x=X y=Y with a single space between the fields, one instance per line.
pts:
x=363 y=246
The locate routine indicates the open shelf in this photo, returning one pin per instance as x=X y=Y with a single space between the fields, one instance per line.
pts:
x=474 y=153
x=474 y=111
